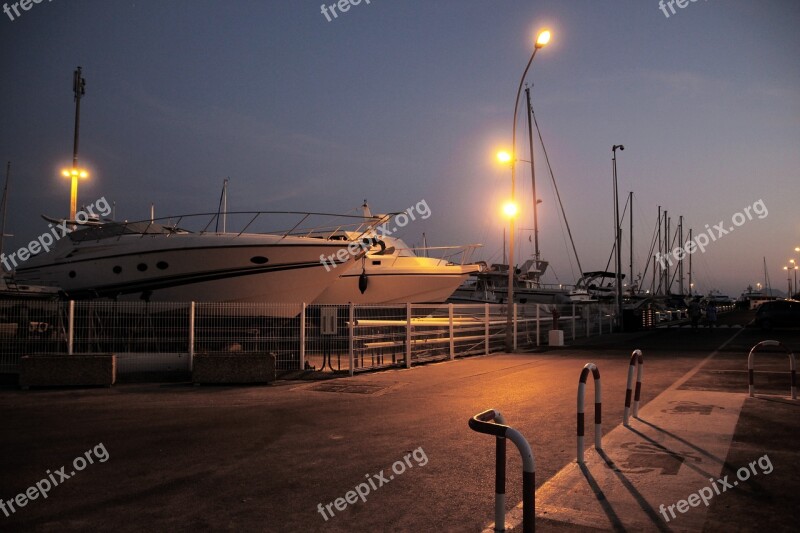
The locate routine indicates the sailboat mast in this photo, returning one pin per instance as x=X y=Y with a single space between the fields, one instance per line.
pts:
x=630 y=214
x=533 y=181
x=4 y=206
x=690 y=264
x=680 y=261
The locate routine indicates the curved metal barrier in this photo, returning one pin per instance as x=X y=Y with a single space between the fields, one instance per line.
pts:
x=636 y=361
x=491 y=422
x=792 y=370
x=598 y=432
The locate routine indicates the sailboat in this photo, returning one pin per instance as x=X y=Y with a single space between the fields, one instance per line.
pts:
x=491 y=285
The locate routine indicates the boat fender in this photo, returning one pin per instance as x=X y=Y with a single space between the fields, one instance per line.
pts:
x=362 y=282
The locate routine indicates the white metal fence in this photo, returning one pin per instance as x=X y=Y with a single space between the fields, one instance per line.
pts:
x=164 y=337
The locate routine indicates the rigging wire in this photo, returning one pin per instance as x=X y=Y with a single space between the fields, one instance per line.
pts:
x=555 y=186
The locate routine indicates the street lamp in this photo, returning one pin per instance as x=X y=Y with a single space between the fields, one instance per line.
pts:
x=74 y=173
x=541 y=40
x=617 y=234
x=794 y=267
x=788 y=270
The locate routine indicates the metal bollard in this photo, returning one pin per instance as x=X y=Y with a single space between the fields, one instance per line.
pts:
x=589 y=367
x=792 y=370
x=636 y=361
x=491 y=422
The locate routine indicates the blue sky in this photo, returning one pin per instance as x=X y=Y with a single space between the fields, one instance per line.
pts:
x=398 y=101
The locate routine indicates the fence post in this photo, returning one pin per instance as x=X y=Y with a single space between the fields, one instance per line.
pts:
x=600 y=318
x=515 y=326
x=70 y=326
x=573 y=321
x=452 y=340
x=408 y=335
x=191 y=335
x=537 y=325
x=350 y=333
x=303 y=336
x=486 y=327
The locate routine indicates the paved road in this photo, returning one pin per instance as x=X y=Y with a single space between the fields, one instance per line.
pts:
x=263 y=458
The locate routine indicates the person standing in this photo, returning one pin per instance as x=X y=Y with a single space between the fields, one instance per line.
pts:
x=711 y=314
x=694 y=312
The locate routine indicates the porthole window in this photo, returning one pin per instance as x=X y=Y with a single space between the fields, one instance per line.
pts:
x=141 y=267
x=259 y=260
x=72 y=273
x=162 y=265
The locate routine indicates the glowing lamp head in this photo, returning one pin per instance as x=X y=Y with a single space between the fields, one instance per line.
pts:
x=503 y=156
x=510 y=209
x=75 y=172
x=543 y=38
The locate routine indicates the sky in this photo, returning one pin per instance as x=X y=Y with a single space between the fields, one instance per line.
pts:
x=400 y=101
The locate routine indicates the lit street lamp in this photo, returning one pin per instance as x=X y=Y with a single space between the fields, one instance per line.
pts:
x=788 y=270
x=541 y=40
x=74 y=173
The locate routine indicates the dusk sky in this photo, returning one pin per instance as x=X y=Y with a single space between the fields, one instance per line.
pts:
x=398 y=101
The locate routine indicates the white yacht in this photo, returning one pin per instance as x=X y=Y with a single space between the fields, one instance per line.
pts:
x=391 y=272
x=158 y=262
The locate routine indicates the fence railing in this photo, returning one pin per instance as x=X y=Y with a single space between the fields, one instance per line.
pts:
x=165 y=336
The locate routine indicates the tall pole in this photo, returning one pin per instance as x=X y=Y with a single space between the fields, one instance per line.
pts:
x=4 y=206
x=79 y=88
x=666 y=253
x=533 y=182
x=690 y=265
x=680 y=261
x=660 y=250
x=509 y=340
x=630 y=219
x=617 y=234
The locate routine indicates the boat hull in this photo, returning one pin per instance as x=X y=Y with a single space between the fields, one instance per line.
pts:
x=191 y=267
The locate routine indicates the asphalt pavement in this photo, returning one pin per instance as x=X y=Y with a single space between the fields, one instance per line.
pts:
x=391 y=451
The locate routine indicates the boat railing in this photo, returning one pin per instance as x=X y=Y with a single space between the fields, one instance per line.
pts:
x=459 y=254
x=299 y=223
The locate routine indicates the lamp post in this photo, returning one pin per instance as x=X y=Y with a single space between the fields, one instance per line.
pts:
x=541 y=40
x=79 y=88
x=789 y=279
x=617 y=234
x=794 y=267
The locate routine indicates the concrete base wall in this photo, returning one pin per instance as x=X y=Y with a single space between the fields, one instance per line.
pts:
x=59 y=370
x=233 y=368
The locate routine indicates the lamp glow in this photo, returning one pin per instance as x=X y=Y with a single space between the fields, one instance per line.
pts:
x=510 y=209
x=543 y=38
x=503 y=156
